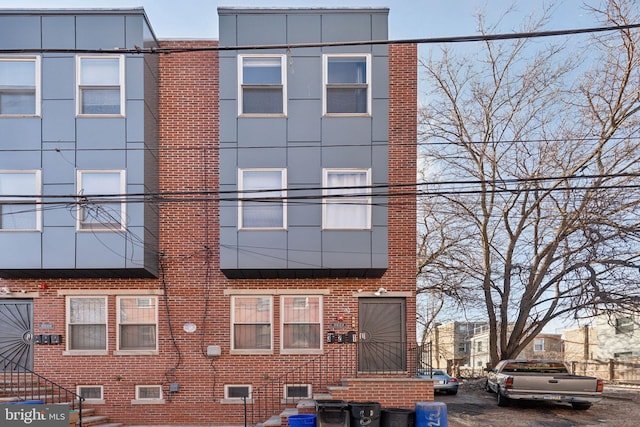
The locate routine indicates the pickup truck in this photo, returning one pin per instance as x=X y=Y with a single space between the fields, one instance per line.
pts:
x=548 y=380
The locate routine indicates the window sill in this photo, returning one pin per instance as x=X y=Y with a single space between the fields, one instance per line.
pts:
x=235 y=401
x=302 y=351
x=20 y=116
x=250 y=352
x=262 y=116
x=101 y=230
x=85 y=353
x=95 y=401
x=148 y=402
x=135 y=353
x=347 y=115
x=106 y=116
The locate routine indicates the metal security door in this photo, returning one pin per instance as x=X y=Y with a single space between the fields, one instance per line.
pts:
x=382 y=335
x=16 y=334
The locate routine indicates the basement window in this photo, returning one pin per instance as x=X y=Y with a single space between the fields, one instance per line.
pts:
x=91 y=393
x=297 y=391
x=236 y=393
x=148 y=395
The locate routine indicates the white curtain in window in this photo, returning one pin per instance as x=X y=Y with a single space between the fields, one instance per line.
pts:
x=350 y=209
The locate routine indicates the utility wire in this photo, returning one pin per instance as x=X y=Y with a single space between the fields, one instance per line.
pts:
x=288 y=46
x=356 y=191
x=319 y=145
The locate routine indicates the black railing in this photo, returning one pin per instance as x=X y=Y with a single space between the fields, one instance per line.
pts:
x=23 y=384
x=317 y=374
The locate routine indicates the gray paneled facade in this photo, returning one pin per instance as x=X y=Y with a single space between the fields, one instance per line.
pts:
x=66 y=135
x=307 y=140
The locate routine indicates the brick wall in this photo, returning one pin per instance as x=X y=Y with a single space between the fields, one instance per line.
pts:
x=192 y=288
x=388 y=392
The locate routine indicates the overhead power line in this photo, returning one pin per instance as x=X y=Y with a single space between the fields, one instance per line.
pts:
x=288 y=46
x=376 y=191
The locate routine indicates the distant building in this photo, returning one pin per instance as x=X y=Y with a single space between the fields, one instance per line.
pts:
x=617 y=337
x=610 y=337
x=580 y=343
x=450 y=344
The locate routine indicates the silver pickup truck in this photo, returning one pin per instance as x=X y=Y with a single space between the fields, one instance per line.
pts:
x=547 y=380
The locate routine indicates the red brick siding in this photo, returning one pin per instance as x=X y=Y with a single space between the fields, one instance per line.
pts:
x=193 y=284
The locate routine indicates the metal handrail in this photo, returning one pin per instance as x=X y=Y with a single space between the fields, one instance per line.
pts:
x=327 y=369
x=24 y=384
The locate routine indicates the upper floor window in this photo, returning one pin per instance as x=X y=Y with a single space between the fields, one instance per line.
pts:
x=100 y=88
x=137 y=323
x=100 y=204
x=87 y=323
x=624 y=325
x=20 y=200
x=262 y=84
x=251 y=317
x=346 y=84
x=347 y=201
x=19 y=86
x=538 y=344
x=262 y=198
x=301 y=322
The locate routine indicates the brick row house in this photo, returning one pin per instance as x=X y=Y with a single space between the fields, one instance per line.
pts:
x=182 y=222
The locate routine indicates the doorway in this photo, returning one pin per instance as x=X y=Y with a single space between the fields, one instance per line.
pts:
x=382 y=345
x=16 y=334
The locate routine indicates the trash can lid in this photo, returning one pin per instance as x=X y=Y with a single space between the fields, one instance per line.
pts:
x=328 y=403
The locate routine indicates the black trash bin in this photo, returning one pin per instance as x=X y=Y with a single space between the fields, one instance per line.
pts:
x=397 y=417
x=332 y=413
x=364 y=414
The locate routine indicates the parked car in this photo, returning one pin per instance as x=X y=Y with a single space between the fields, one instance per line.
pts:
x=549 y=380
x=442 y=382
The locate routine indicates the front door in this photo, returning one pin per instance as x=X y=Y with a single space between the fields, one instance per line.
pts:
x=16 y=333
x=382 y=335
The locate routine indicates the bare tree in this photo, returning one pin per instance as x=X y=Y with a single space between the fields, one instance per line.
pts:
x=532 y=211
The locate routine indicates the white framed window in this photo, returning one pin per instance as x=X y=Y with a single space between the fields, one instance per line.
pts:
x=100 y=200
x=20 y=86
x=137 y=319
x=262 y=89
x=301 y=323
x=252 y=320
x=347 y=84
x=236 y=393
x=100 y=85
x=538 y=344
x=20 y=207
x=347 y=199
x=262 y=198
x=297 y=391
x=87 y=324
x=148 y=395
x=92 y=393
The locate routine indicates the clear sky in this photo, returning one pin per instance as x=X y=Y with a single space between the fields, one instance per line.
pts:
x=408 y=19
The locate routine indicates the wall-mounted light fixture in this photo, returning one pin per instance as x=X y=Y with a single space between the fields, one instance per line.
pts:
x=380 y=291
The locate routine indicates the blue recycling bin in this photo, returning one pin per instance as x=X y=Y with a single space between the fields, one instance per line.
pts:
x=431 y=414
x=302 y=420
